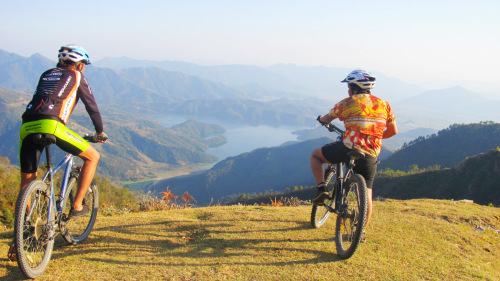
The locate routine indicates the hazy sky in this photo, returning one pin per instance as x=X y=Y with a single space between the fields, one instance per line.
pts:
x=435 y=44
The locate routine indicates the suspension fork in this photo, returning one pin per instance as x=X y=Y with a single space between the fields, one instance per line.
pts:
x=339 y=188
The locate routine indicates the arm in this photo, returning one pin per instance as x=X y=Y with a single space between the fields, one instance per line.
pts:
x=390 y=130
x=88 y=100
x=326 y=119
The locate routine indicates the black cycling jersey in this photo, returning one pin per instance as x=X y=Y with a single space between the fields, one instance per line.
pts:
x=56 y=95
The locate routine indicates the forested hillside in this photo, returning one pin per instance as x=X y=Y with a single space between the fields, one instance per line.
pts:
x=477 y=178
x=448 y=148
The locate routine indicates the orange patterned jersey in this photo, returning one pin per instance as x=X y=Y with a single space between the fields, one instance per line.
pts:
x=365 y=118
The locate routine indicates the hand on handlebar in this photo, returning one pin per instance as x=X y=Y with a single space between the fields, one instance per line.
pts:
x=330 y=126
x=319 y=120
x=102 y=137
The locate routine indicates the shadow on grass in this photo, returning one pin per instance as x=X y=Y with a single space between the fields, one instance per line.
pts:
x=196 y=240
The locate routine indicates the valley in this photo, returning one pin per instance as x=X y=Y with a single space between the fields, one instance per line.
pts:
x=178 y=121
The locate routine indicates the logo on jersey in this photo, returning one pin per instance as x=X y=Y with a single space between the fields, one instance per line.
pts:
x=64 y=87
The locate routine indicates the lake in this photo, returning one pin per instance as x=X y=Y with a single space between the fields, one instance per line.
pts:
x=240 y=139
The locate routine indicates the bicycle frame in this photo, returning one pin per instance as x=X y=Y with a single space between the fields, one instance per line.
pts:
x=341 y=175
x=339 y=185
x=68 y=161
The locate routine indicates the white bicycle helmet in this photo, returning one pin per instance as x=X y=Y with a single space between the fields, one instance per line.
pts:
x=362 y=78
x=73 y=53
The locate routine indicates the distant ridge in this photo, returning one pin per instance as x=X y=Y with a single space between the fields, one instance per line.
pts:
x=305 y=81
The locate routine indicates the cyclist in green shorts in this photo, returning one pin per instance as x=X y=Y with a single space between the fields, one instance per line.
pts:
x=58 y=91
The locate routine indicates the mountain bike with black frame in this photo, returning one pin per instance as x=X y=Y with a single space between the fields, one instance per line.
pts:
x=347 y=198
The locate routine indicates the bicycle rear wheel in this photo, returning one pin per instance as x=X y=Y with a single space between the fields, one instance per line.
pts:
x=351 y=221
x=76 y=230
x=320 y=214
x=33 y=237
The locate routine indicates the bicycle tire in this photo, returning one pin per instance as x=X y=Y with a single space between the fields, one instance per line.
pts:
x=33 y=239
x=77 y=230
x=351 y=221
x=320 y=214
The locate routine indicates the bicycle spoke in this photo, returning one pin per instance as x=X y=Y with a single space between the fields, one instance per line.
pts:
x=33 y=234
x=76 y=230
x=320 y=214
x=351 y=221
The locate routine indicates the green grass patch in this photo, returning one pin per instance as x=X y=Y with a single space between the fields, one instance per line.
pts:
x=407 y=240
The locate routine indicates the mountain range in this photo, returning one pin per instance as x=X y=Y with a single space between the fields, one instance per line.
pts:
x=281 y=94
x=289 y=79
x=131 y=92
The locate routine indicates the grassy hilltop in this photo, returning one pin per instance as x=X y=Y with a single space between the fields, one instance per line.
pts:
x=408 y=240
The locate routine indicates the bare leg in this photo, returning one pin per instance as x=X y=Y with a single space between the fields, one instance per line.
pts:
x=91 y=159
x=369 y=210
x=317 y=160
x=26 y=178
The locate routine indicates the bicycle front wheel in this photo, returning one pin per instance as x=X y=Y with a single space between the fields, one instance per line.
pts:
x=76 y=230
x=351 y=220
x=34 y=230
x=320 y=214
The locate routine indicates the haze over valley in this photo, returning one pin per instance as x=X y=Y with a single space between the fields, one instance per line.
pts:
x=169 y=118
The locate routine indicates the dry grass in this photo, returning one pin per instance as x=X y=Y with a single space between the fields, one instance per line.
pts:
x=408 y=240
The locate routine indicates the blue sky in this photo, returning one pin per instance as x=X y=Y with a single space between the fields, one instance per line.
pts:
x=435 y=44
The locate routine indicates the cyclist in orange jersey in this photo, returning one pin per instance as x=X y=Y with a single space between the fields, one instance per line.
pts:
x=367 y=120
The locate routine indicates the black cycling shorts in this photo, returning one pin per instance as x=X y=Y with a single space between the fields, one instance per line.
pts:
x=336 y=152
x=29 y=152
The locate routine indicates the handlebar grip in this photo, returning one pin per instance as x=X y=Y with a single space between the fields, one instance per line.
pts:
x=319 y=120
x=90 y=138
x=330 y=126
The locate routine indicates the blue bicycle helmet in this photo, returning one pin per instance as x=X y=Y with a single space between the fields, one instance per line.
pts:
x=73 y=53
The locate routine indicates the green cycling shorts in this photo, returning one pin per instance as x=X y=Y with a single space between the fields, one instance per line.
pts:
x=29 y=152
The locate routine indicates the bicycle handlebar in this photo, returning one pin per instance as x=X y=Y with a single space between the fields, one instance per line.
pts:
x=90 y=138
x=331 y=127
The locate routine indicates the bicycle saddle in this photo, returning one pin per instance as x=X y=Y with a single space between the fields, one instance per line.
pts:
x=43 y=139
x=356 y=154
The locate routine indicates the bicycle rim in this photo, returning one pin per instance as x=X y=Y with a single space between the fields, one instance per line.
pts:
x=320 y=214
x=34 y=240
x=351 y=221
x=77 y=230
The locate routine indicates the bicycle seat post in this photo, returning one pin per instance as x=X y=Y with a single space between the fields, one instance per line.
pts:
x=49 y=164
x=46 y=140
